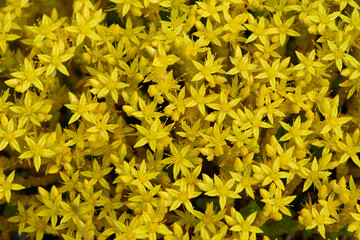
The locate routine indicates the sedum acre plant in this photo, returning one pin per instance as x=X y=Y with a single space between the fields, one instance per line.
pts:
x=179 y=119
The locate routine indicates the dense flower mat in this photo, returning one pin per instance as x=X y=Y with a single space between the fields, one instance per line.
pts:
x=179 y=119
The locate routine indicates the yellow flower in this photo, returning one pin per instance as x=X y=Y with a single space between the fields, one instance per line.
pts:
x=37 y=150
x=320 y=219
x=176 y=108
x=352 y=21
x=109 y=206
x=217 y=139
x=207 y=71
x=356 y=73
x=129 y=34
x=38 y=226
x=332 y=119
x=102 y=127
x=281 y=7
x=351 y=148
x=8 y=133
x=171 y=31
x=80 y=107
x=283 y=29
x=272 y=109
x=210 y=9
x=4 y=103
x=154 y=226
x=105 y=84
x=124 y=6
x=5 y=35
x=307 y=62
x=225 y=107
x=273 y=174
x=155 y=136
x=209 y=219
x=331 y=205
x=240 y=137
x=206 y=89
x=222 y=190
x=353 y=83
x=147 y=111
x=253 y=120
x=126 y=229
x=192 y=177
x=162 y=59
x=51 y=206
x=209 y=34
x=267 y=49
x=258 y=30
x=165 y=85
x=32 y=108
x=143 y=175
x=244 y=181
x=179 y=159
x=27 y=77
x=345 y=3
x=175 y=5
x=84 y=26
x=235 y=23
x=6 y=186
x=242 y=64
x=46 y=29
x=78 y=4
x=20 y=218
x=338 y=53
x=144 y=196
x=323 y=19
x=329 y=142
x=56 y=58
x=297 y=131
x=274 y=71
x=200 y=98
x=245 y=227
x=182 y=196
x=314 y=175
x=97 y=174
x=193 y=48
x=74 y=210
x=69 y=183
x=16 y=5
x=192 y=132
x=275 y=200
x=355 y=225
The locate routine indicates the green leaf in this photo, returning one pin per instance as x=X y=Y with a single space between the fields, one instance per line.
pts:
x=277 y=229
x=9 y=211
x=202 y=201
x=249 y=209
x=334 y=235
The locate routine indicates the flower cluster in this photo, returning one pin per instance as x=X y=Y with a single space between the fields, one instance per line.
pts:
x=179 y=119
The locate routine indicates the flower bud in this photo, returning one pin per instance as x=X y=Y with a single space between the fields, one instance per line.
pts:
x=129 y=110
x=270 y=150
x=276 y=216
x=323 y=192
